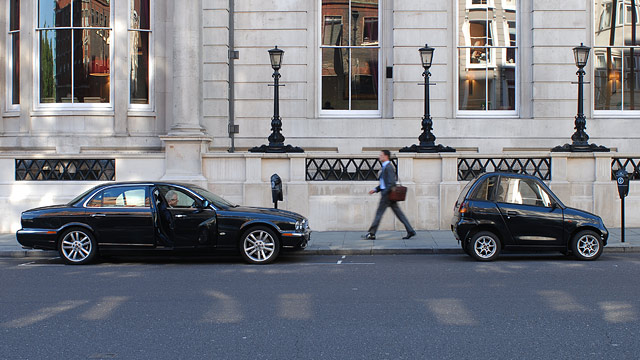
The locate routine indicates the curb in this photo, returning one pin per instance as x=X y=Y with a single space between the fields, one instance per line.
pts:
x=41 y=254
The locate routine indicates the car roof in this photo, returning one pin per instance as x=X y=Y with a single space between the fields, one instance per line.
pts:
x=506 y=173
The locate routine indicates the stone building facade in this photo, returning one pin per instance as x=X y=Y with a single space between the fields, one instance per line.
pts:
x=157 y=89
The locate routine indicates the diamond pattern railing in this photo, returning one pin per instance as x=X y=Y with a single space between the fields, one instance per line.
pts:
x=469 y=168
x=65 y=169
x=631 y=165
x=344 y=169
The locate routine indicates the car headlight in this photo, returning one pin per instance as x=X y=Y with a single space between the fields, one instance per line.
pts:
x=302 y=225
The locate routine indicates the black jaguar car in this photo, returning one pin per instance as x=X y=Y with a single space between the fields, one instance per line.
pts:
x=499 y=211
x=160 y=216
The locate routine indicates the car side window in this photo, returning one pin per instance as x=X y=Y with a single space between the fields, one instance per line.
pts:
x=522 y=192
x=485 y=191
x=121 y=196
x=177 y=198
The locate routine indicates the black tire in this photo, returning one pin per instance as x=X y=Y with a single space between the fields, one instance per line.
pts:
x=77 y=246
x=266 y=242
x=587 y=245
x=465 y=247
x=484 y=246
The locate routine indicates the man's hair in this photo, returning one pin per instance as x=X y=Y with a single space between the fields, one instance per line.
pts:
x=386 y=152
x=171 y=194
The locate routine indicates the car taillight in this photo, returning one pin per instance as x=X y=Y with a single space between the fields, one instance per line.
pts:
x=463 y=208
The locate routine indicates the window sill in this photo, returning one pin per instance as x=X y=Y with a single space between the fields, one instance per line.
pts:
x=141 y=113
x=600 y=114
x=75 y=112
x=487 y=114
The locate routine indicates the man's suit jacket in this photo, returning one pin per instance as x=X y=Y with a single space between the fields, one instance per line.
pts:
x=388 y=174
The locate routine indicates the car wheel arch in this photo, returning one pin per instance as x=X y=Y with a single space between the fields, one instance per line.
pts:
x=579 y=229
x=255 y=223
x=68 y=226
x=489 y=228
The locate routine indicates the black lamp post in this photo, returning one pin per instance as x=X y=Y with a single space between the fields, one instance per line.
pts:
x=427 y=139
x=276 y=139
x=580 y=139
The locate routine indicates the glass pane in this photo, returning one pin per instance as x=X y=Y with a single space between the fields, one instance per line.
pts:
x=502 y=86
x=14 y=10
x=139 y=57
x=91 y=66
x=364 y=79
x=91 y=13
x=630 y=31
x=55 y=66
x=335 y=28
x=335 y=79
x=607 y=84
x=15 y=68
x=364 y=23
x=473 y=25
x=472 y=83
x=631 y=79
x=54 y=13
x=605 y=14
x=140 y=15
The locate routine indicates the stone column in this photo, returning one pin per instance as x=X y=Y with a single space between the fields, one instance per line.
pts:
x=186 y=140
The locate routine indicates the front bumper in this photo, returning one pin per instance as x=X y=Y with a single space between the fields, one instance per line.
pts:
x=37 y=238
x=295 y=240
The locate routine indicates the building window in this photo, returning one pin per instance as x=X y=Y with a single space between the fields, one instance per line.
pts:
x=139 y=48
x=487 y=57
x=13 y=49
x=350 y=57
x=616 y=78
x=75 y=56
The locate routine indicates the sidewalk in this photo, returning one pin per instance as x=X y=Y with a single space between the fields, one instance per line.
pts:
x=350 y=243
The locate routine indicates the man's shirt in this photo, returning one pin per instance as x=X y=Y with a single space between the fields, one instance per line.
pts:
x=382 y=184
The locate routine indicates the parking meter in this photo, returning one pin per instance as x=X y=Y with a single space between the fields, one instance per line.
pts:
x=622 y=179
x=276 y=189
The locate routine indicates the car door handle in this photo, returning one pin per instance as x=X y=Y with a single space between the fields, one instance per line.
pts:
x=512 y=213
x=181 y=216
x=98 y=215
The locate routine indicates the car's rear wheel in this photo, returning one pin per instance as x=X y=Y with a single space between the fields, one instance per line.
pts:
x=77 y=246
x=484 y=246
x=259 y=245
x=587 y=245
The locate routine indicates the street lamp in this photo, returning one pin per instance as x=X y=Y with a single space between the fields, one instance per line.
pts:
x=276 y=139
x=427 y=139
x=580 y=139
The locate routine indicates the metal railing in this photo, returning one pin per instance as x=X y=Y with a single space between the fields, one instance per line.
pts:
x=344 y=169
x=469 y=168
x=630 y=164
x=65 y=170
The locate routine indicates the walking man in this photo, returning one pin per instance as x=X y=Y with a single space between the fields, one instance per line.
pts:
x=387 y=181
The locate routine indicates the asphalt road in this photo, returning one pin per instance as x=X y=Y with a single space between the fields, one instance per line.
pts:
x=322 y=307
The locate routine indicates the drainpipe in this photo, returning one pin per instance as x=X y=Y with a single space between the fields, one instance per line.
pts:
x=233 y=55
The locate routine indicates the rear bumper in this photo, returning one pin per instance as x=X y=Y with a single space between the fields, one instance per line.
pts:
x=295 y=240
x=461 y=227
x=37 y=238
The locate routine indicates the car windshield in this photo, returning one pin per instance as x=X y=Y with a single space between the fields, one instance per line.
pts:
x=216 y=200
x=81 y=196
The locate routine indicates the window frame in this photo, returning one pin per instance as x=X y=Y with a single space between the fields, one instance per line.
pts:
x=515 y=113
x=62 y=107
x=324 y=113
x=10 y=106
x=614 y=23
x=150 y=107
x=101 y=191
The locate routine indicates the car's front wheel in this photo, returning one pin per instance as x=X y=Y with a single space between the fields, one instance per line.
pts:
x=484 y=246
x=77 y=246
x=259 y=245
x=587 y=245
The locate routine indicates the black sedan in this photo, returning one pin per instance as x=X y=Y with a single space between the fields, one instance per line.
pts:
x=160 y=216
x=499 y=211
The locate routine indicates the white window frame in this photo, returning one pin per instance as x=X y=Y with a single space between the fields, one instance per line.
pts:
x=618 y=113
x=151 y=105
x=37 y=105
x=10 y=107
x=456 y=81
x=350 y=113
x=490 y=4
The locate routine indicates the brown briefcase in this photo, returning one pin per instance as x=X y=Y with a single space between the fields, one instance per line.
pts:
x=398 y=193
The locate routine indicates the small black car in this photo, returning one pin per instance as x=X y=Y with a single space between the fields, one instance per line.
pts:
x=160 y=216
x=499 y=211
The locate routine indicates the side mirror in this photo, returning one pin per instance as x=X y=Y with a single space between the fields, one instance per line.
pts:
x=206 y=204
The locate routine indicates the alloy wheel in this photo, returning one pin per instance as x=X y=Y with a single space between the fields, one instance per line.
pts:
x=76 y=246
x=485 y=247
x=259 y=246
x=588 y=245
